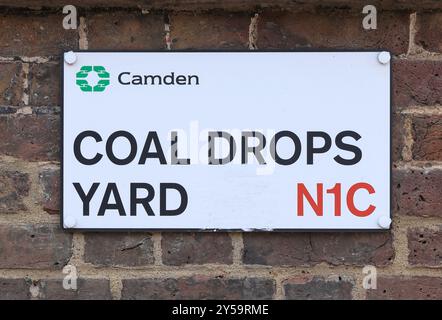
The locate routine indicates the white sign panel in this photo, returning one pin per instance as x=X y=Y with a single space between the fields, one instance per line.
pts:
x=226 y=140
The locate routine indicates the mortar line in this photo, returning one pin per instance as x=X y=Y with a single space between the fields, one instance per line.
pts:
x=253 y=32
x=78 y=249
x=167 y=34
x=408 y=141
x=412 y=34
x=28 y=59
x=116 y=287
x=422 y=110
x=157 y=249
x=323 y=270
x=83 y=43
x=25 y=95
x=238 y=247
x=418 y=165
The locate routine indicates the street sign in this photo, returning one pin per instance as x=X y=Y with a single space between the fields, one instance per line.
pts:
x=226 y=141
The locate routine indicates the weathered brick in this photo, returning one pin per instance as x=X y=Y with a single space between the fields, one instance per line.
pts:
x=416 y=83
x=118 y=249
x=237 y=5
x=214 y=31
x=417 y=192
x=196 y=248
x=317 y=288
x=14 y=186
x=332 y=29
x=429 y=31
x=407 y=288
x=198 y=287
x=87 y=289
x=427 y=136
x=44 y=84
x=125 y=31
x=11 y=83
x=306 y=249
x=40 y=246
x=30 y=137
x=14 y=289
x=52 y=289
x=425 y=247
x=50 y=182
x=35 y=35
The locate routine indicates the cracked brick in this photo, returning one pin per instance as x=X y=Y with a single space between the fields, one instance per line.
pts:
x=196 y=248
x=34 y=246
x=118 y=249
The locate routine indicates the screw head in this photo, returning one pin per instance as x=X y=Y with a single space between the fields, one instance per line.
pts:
x=70 y=57
x=70 y=222
x=384 y=222
x=384 y=57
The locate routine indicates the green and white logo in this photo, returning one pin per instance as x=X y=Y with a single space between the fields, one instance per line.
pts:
x=83 y=74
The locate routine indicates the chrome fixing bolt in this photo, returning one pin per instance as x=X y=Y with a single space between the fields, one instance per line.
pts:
x=384 y=57
x=70 y=222
x=70 y=57
x=384 y=222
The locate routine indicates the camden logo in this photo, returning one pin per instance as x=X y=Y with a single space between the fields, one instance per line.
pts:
x=83 y=74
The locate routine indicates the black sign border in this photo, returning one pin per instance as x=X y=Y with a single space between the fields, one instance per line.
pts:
x=210 y=230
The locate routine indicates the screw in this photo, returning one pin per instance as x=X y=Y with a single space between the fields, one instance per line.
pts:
x=384 y=57
x=384 y=222
x=70 y=222
x=70 y=57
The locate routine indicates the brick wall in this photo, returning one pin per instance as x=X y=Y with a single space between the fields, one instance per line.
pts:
x=33 y=249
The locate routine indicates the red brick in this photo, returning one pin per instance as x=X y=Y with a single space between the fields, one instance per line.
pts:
x=196 y=248
x=425 y=247
x=333 y=29
x=307 y=249
x=87 y=289
x=416 y=83
x=50 y=182
x=407 y=288
x=198 y=287
x=317 y=288
x=41 y=246
x=35 y=35
x=237 y=5
x=11 y=83
x=427 y=136
x=118 y=249
x=52 y=289
x=429 y=31
x=14 y=186
x=44 y=84
x=209 y=31
x=30 y=137
x=125 y=31
x=14 y=289
x=417 y=192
